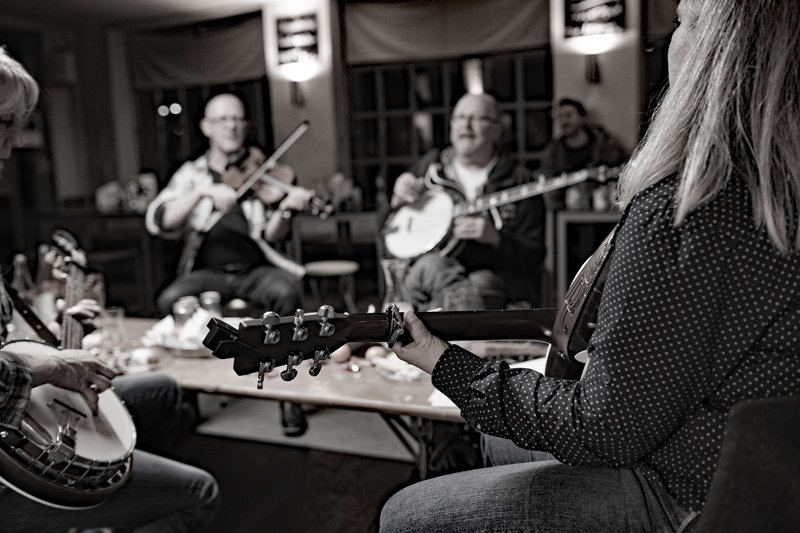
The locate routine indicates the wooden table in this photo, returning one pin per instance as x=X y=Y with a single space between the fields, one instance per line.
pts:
x=333 y=387
x=403 y=405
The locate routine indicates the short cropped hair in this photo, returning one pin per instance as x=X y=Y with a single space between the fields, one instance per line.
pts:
x=19 y=92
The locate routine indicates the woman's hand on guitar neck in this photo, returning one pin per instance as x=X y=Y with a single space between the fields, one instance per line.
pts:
x=426 y=349
x=75 y=370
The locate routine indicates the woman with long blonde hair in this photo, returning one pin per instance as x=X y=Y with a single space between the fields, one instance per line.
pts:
x=700 y=309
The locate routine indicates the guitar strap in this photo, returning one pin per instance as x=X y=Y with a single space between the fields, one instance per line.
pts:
x=30 y=317
x=576 y=318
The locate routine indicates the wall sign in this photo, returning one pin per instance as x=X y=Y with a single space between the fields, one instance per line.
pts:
x=297 y=39
x=593 y=17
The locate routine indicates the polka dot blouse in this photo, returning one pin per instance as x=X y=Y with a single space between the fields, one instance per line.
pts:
x=693 y=319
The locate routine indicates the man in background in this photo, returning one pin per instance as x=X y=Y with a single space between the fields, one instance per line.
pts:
x=503 y=248
x=581 y=145
x=238 y=256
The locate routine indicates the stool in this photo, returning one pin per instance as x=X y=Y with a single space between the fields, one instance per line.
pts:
x=344 y=270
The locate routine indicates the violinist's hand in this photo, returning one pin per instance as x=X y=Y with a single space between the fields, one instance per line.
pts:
x=424 y=352
x=223 y=196
x=407 y=189
x=75 y=370
x=476 y=228
x=298 y=199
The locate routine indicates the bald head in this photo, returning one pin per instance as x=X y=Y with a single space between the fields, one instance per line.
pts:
x=475 y=128
x=224 y=123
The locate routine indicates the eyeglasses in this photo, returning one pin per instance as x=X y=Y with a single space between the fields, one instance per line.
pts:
x=477 y=119
x=237 y=121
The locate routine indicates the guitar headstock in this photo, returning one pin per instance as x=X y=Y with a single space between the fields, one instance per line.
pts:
x=66 y=248
x=261 y=345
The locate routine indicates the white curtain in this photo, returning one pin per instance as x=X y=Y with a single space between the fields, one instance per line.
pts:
x=224 y=51
x=378 y=32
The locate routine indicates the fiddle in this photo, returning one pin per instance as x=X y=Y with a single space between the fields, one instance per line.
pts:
x=238 y=172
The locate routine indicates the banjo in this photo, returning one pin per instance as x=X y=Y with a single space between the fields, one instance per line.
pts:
x=258 y=346
x=424 y=226
x=61 y=455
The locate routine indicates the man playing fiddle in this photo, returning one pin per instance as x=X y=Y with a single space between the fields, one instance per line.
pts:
x=235 y=258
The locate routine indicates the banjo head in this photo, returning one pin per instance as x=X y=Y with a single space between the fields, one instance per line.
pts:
x=94 y=459
x=418 y=228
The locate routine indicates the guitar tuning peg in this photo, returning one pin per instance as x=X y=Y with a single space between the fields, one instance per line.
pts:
x=293 y=359
x=264 y=366
x=326 y=329
x=320 y=354
x=300 y=332
x=270 y=319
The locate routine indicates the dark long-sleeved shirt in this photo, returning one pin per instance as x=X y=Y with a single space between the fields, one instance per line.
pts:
x=693 y=319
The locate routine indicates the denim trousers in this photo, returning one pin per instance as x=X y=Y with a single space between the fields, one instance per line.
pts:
x=435 y=281
x=529 y=493
x=161 y=495
x=269 y=287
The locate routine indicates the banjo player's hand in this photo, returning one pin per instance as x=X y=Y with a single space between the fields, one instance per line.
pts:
x=75 y=370
x=407 y=189
x=425 y=350
x=476 y=228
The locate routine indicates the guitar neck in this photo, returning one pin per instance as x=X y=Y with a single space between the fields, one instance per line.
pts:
x=519 y=324
x=536 y=188
x=249 y=347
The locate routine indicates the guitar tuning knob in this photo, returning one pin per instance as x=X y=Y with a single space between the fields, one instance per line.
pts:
x=293 y=359
x=326 y=313
x=320 y=354
x=270 y=319
x=300 y=332
x=264 y=366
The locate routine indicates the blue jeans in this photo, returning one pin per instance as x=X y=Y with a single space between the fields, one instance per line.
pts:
x=435 y=281
x=533 y=496
x=161 y=496
x=269 y=287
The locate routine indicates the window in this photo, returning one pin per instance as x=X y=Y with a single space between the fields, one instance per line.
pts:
x=398 y=112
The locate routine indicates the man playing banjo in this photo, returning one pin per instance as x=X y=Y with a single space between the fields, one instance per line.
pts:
x=161 y=494
x=501 y=258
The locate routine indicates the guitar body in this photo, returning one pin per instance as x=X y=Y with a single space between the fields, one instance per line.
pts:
x=61 y=455
x=416 y=229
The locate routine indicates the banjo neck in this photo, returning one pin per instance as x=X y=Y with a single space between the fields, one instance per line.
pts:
x=527 y=190
x=71 y=327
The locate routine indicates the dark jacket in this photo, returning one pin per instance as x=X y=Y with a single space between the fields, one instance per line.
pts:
x=521 y=253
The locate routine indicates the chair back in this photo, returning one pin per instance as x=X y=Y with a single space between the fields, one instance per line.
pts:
x=756 y=486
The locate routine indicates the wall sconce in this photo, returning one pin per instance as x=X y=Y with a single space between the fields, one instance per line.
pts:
x=298 y=52
x=592 y=69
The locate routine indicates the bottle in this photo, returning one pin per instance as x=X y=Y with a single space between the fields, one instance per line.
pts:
x=22 y=281
x=23 y=284
x=47 y=286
